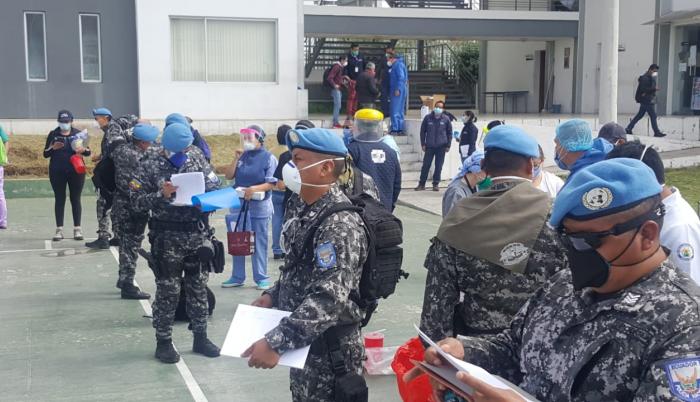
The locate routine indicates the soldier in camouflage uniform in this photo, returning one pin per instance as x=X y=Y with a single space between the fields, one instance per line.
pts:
x=470 y=291
x=115 y=132
x=622 y=324
x=129 y=224
x=316 y=290
x=176 y=233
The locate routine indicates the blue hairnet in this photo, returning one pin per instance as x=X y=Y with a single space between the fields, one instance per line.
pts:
x=575 y=135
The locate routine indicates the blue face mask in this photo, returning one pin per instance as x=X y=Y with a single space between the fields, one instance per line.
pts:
x=438 y=110
x=177 y=159
x=560 y=163
x=537 y=172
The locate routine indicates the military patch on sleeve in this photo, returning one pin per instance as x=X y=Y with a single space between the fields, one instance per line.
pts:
x=686 y=252
x=325 y=256
x=134 y=185
x=684 y=378
x=213 y=177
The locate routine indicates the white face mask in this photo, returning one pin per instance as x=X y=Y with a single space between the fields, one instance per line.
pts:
x=292 y=176
x=95 y=124
x=248 y=146
x=64 y=126
x=655 y=74
x=389 y=63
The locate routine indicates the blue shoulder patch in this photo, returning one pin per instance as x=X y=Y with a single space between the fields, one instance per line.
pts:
x=684 y=378
x=325 y=256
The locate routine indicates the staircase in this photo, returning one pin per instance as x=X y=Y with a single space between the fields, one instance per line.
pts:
x=321 y=53
x=411 y=162
x=437 y=82
x=459 y=4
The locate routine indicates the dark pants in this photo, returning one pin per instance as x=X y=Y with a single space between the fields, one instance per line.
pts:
x=430 y=153
x=59 y=180
x=649 y=108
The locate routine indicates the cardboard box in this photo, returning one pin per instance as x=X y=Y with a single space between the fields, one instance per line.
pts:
x=430 y=100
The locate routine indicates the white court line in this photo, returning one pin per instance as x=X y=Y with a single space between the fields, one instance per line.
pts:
x=35 y=249
x=47 y=244
x=185 y=372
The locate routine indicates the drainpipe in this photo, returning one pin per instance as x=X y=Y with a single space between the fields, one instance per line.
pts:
x=609 y=22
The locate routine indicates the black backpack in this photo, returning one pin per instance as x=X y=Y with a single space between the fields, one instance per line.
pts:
x=104 y=175
x=326 y=73
x=382 y=269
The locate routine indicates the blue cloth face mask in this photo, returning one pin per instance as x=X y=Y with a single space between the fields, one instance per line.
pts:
x=560 y=163
x=177 y=159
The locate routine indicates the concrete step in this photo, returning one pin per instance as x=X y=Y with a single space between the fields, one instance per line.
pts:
x=406 y=148
x=410 y=157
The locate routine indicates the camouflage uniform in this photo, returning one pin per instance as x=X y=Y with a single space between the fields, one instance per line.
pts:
x=565 y=345
x=172 y=249
x=492 y=295
x=115 y=133
x=318 y=294
x=129 y=224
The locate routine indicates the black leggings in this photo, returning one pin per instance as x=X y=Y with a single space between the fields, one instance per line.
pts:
x=75 y=182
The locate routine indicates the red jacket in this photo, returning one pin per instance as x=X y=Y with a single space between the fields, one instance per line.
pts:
x=335 y=76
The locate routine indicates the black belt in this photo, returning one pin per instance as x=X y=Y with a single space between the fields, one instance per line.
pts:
x=173 y=226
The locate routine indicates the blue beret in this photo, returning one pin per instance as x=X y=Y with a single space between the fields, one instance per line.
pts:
x=145 y=132
x=575 y=135
x=604 y=188
x=512 y=139
x=177 y=137
x=101 y=111
x=176 y=118
x=317 y=140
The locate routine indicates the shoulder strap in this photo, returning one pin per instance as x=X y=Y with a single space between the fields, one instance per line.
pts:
x=357 y=181
x=309 y=237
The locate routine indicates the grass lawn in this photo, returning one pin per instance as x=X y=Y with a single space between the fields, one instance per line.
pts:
x=688 y=182
x=26 y=159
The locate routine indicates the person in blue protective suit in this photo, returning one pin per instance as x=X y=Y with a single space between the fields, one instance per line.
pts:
x=252 y=169
x=398 y=87
x=374 y=157
x=576 y=148
x=199 y=141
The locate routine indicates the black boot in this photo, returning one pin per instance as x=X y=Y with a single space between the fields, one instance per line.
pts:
x=100 y=243
x=165 y=351
x=132 y=292
x=204 y=346
x=119 y=283
x=114 y=241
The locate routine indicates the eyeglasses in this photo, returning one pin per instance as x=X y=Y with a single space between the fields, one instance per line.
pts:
x=583 y=241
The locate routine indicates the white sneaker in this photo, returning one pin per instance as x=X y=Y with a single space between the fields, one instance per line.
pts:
x=77 y=234
x=59 y=234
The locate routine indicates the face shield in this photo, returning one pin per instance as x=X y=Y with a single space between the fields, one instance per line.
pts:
x=367 y=130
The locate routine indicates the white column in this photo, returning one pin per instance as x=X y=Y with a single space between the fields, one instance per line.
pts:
x=608 y=13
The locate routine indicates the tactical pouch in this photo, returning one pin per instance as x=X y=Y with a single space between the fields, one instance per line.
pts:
x=217 y=264
x=351 y=388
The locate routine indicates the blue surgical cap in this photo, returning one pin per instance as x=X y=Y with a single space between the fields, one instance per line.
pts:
x=575 y=135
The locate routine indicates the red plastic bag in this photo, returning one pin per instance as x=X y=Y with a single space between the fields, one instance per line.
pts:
x=419 y=389
x=78 y=164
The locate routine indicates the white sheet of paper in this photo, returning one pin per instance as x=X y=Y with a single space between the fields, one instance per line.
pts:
x=188 y=185
x=249 y=325
x=460 y=365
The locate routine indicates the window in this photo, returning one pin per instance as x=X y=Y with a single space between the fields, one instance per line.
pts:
x=35 y=46
x=90 y=56
x=223 y=50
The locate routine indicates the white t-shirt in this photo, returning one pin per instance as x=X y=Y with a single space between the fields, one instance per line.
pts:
x=681 y=234
x=551 y=184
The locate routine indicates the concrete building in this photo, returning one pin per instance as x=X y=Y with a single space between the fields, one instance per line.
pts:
x=68 y=54
x=214 y=59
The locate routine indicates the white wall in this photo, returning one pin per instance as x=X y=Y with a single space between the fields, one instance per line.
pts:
x=638 y=41
x=563 y=77
x=507 y=70
x=159 y=95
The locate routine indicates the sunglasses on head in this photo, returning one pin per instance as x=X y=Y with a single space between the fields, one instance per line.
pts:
x=583 y=241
